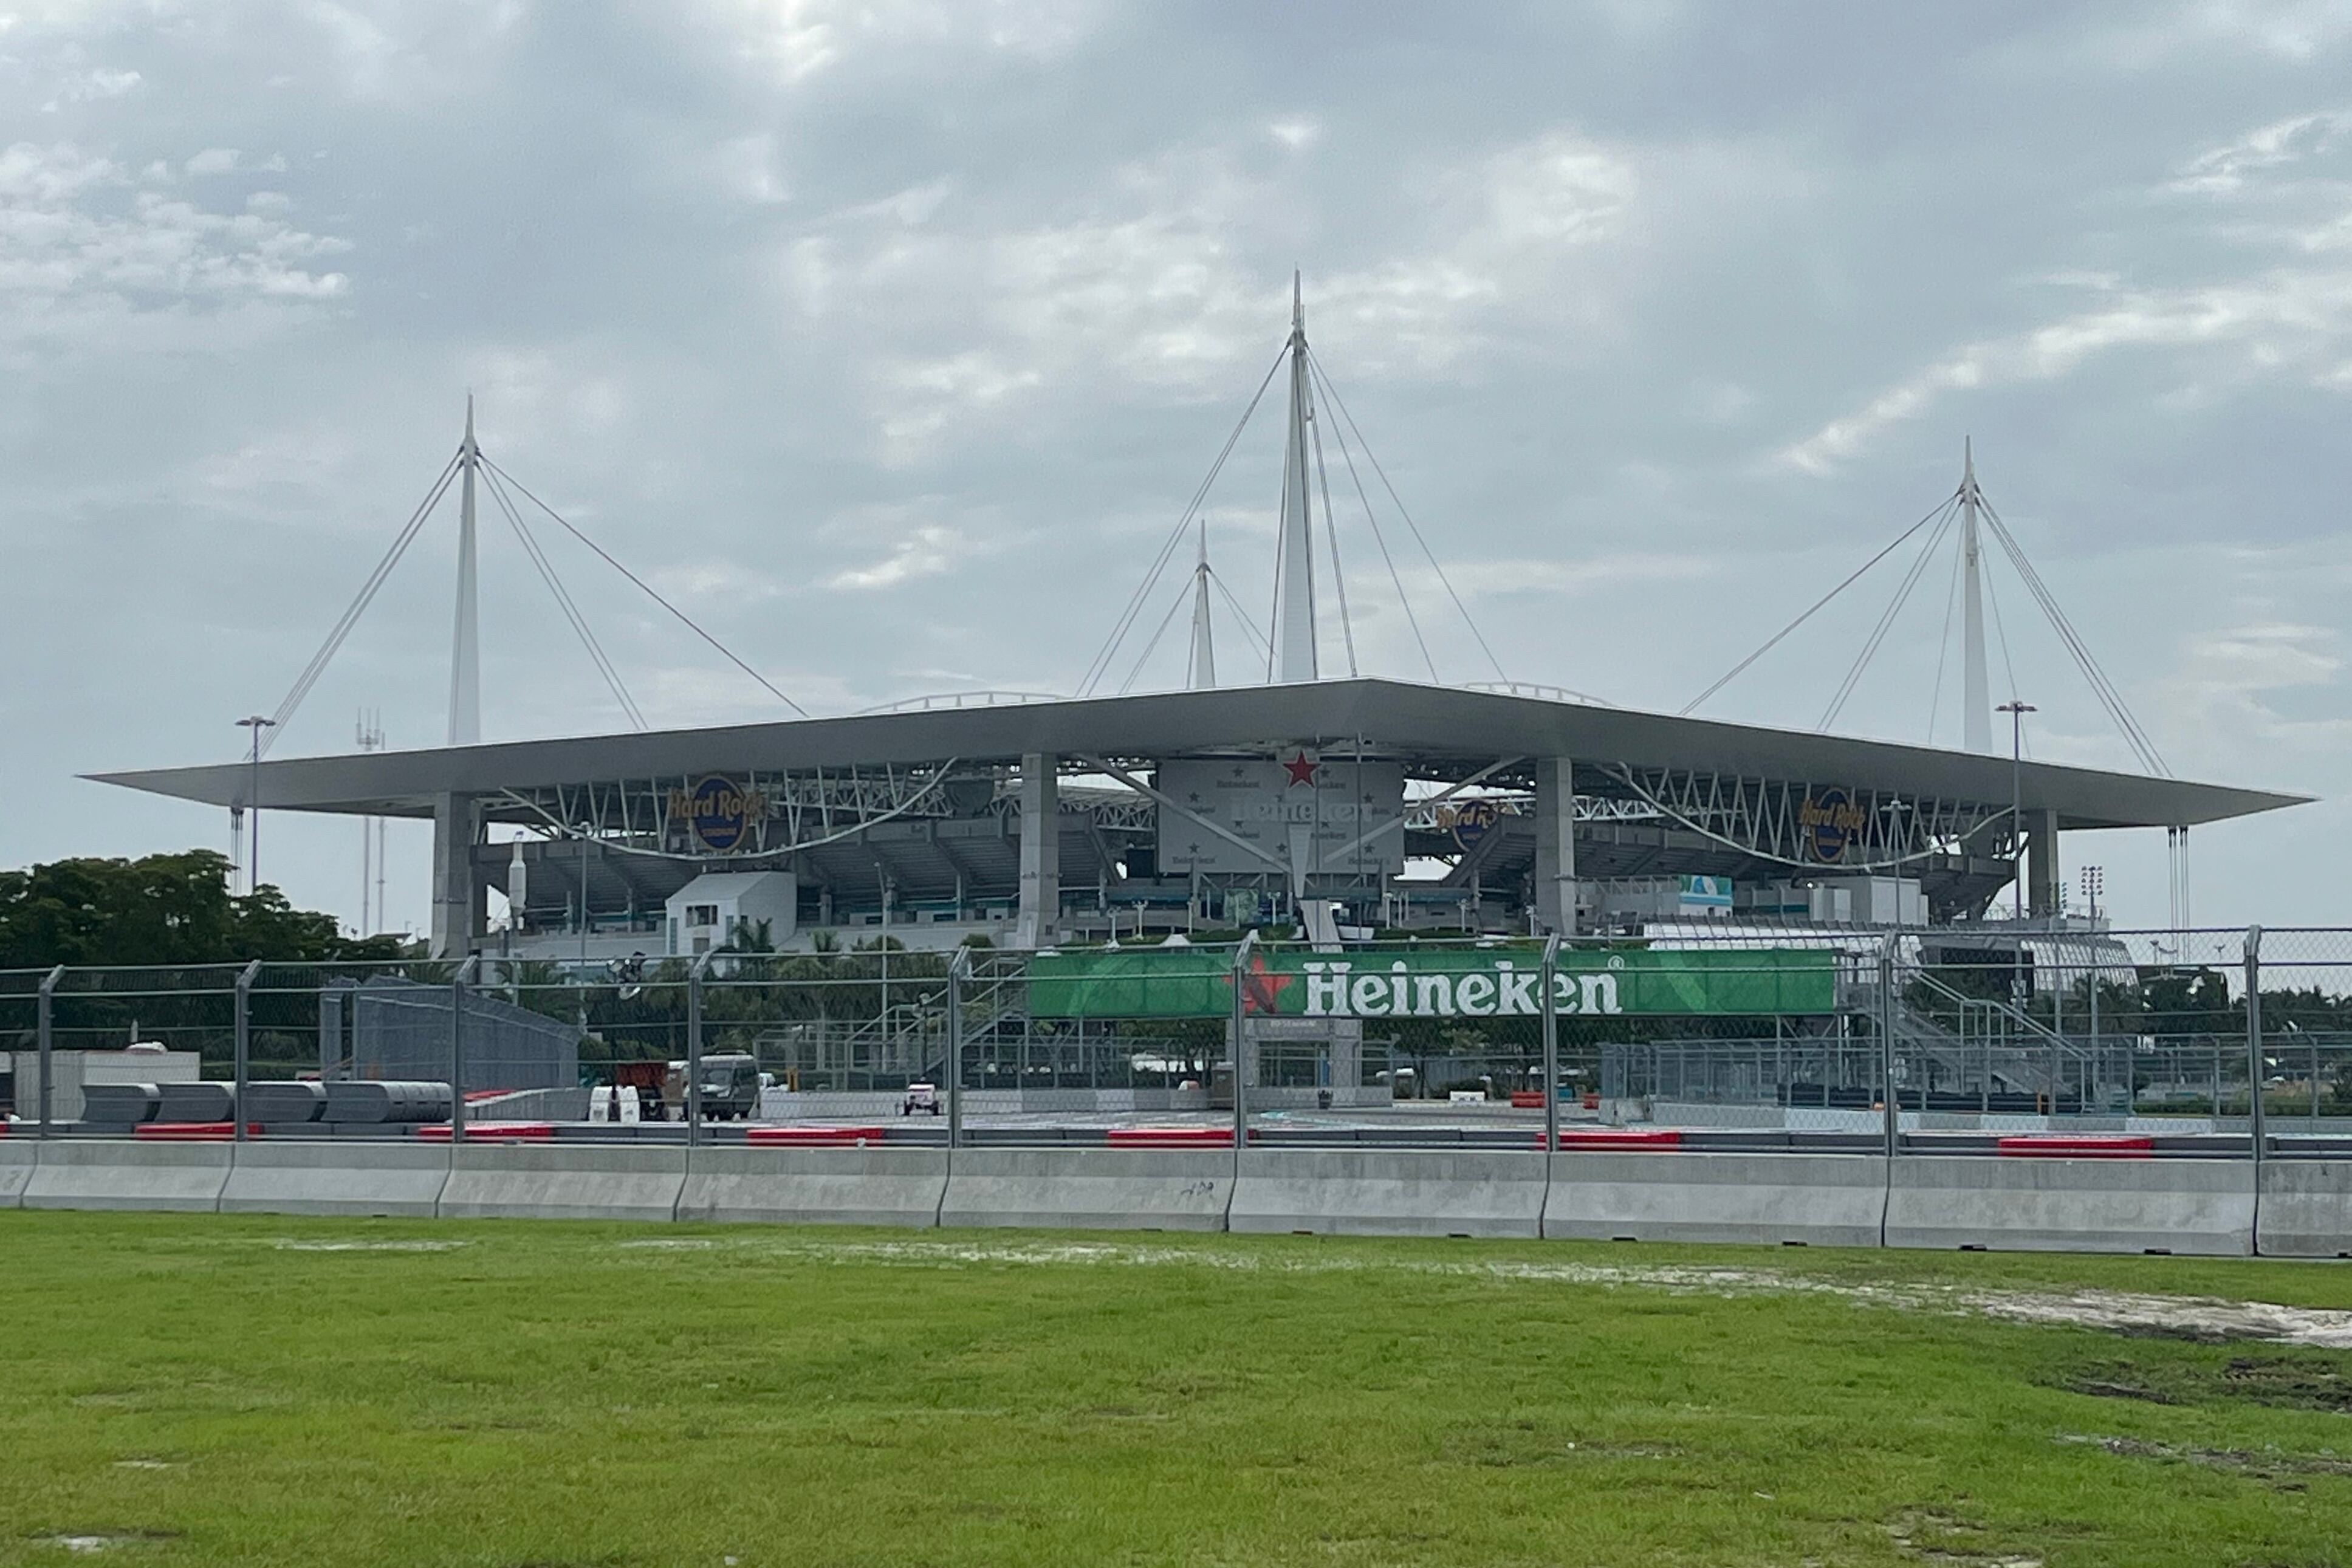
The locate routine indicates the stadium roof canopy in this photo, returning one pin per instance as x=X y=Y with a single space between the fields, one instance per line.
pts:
x=1438 y=732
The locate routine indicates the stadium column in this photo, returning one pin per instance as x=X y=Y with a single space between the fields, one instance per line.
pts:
x=457 y=899
x=2042 y=895
x=1041 y=851
x=1556 y=845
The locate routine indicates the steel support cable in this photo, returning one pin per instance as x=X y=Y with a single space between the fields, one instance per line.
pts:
x=2110 y=697
x=2000 y=631
x=646 y=588
x=1447 y=583
x=1379 y=538
x=1943 y=648
x=1332 y=532
x=1159 y=632
x=565 y=602
x=1240 y=616
x=1101 y=663
x=358 y=606
x=1774 y=640
x=1877 y=637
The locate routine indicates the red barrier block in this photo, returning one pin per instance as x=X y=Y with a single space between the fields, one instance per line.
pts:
x=1169 y=1137
x=1616 y=1138
x=814 y=1137
x=2108 y=1146
x=192 y=1132
x=491 y=1132
x=1527 y=1099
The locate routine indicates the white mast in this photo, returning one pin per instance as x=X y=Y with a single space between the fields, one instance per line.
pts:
x=1204 y=654
x=1976 y=700
x=1293 y=571
x=466 y=649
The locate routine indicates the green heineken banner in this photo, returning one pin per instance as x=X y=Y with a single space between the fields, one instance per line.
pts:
x=1418 y=982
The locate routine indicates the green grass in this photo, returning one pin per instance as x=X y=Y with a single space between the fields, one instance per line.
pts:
x=255 y=1390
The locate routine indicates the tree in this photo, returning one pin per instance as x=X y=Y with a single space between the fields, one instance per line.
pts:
x=162 y=910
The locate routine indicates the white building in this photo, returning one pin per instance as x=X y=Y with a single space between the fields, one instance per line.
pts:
x=708 y=912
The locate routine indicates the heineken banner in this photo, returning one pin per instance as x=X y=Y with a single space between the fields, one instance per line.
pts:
x=1421 y=982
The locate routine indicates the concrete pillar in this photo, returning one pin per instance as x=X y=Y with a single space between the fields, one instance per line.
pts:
x=1555 y=872
x=457 y=898
x=2044 y=894
x=1041 y=851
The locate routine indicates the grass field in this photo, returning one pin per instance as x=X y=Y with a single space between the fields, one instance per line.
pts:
x=201 y=1389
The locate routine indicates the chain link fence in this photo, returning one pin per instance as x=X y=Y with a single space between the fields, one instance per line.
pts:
x=1996 y=1028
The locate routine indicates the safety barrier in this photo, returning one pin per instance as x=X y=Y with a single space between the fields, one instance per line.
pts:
x=1816 y=1200
x=563 y=1181
x=2116 y=1200
x=809 y=1183
x=2305 y=1210
x=384 y=1177
x=17 y=1159
x=2072 y=1203
x=1389 y=1192
x=1145 y=1187
x=116 y=1173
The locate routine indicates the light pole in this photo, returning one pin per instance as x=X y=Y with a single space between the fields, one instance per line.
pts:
x=257 y=724
x=2016 y=708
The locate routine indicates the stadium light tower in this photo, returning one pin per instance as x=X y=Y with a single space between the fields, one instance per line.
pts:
x=256 y=722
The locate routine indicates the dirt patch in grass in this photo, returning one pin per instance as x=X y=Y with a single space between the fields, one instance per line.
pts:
x=2280 y=1382
x=2276 y=1466
x=1932 y=1536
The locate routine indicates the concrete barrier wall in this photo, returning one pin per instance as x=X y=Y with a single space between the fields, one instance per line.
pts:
x=2204 y=1206
x=557 y=1181
x=337 y=1176
x=815 y=1186
x=16 y=1161
x=1091 y=1189
x=118 y=1174
x=1817 y=1200
x=1390 y=1192
x=2305 y=1210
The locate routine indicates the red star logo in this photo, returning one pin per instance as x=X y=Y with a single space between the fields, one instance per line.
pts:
x=1262 y=987
x=1301 y=770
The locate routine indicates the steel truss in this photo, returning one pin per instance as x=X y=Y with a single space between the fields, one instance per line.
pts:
x=1793 y=823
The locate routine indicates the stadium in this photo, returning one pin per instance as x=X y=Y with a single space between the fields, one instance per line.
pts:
x=1381 y=804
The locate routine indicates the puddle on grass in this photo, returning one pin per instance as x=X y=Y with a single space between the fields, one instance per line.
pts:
x=2202 y=1318
x=291 y=1244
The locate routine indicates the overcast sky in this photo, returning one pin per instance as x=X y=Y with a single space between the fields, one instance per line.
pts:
x=889 y=340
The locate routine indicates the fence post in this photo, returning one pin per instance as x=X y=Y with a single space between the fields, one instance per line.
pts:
x=245 y=979
x=694 y=1042
x=46 y=1002
x=1241 y=1048
x=1886 y=1048
x=2254 y=1044
x=1551 y=1044
x=458 y=984
x=959 y=966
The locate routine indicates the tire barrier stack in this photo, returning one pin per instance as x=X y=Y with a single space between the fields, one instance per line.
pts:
x=2111 y=1194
